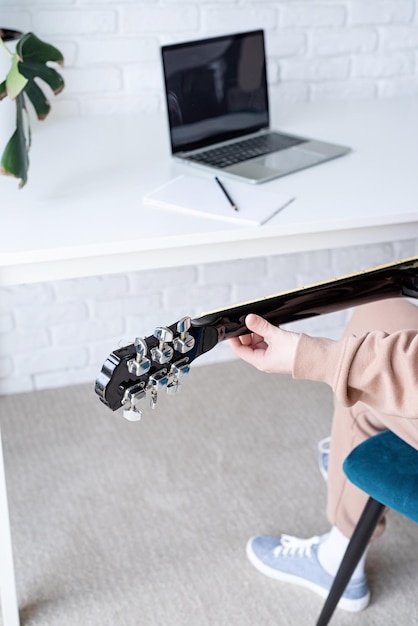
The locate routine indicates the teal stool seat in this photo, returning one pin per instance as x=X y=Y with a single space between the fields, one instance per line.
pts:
x=386 y=468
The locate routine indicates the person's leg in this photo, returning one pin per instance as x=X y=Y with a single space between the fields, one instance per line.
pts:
x=353 y=425
x=313 y=562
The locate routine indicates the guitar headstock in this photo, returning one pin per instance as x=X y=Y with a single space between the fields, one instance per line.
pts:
x=139 y=371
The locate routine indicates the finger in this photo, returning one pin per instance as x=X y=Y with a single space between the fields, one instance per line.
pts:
x=243 y=340
x=237 y=345
x=240 y=350
x=247 y=340
x=260 y=326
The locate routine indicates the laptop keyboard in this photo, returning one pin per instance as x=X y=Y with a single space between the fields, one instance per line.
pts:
x=240 y=151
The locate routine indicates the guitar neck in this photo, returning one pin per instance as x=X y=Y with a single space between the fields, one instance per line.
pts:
x=387 y=281
x=126 y=375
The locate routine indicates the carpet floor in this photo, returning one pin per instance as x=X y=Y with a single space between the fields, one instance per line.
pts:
x=117 y=523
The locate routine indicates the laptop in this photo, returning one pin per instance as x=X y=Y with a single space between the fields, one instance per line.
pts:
x=218 y=111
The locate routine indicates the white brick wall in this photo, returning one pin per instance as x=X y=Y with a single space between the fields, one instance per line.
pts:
x=59 y=333
x=317 y=49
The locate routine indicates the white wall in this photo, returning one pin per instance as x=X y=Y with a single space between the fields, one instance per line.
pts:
x=317 y=49
x=59 y=333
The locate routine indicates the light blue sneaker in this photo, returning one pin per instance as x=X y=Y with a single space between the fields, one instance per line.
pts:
x=323 y=456
x=293 y=560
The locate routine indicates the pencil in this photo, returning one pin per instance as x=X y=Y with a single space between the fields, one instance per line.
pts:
x=230 y=200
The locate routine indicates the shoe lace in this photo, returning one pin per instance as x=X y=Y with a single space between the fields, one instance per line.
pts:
x=294 y=546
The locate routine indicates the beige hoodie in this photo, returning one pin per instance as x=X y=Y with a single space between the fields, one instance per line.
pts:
x=378 y=369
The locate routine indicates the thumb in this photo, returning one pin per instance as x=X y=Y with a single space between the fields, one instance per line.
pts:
x=260 y=326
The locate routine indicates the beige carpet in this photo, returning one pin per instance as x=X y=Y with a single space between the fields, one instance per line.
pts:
x=145 y=524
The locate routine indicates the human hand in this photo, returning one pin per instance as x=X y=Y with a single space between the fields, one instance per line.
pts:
x=268 y=348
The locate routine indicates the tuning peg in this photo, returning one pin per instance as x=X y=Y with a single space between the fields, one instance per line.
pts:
x=163 y=352
x=140 y=347
x=158 y=381
x=133 y=395
x=140 y=364
x=185 y=341
x=177 y=371
x=132 y=415
x=180 y=368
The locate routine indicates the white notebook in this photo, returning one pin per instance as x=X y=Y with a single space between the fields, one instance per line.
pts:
x=203 y=196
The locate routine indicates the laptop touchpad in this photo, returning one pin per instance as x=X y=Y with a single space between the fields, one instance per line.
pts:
x=252 y=170
x=290 y=160
x=275 y=164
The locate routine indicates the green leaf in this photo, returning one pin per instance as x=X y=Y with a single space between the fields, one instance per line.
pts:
x=30 y=48
x=47 y=74
x=15 y=159
x=24 y=120
x=37 y=98
x=28 y=65
x=15 y=81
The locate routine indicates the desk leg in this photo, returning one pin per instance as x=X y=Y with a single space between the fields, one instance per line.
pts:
x=8 y=597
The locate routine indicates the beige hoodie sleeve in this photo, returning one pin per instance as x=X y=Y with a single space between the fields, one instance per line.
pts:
x=378 y=369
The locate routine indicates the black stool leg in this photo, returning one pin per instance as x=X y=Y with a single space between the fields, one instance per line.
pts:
x=372 y=513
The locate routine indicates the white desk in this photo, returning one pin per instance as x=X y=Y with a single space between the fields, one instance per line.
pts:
x=81 y=212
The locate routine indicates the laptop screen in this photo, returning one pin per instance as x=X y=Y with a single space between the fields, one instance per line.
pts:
x=216 y=89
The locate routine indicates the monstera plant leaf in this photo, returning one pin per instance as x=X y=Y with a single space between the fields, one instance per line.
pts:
x=28 y=66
